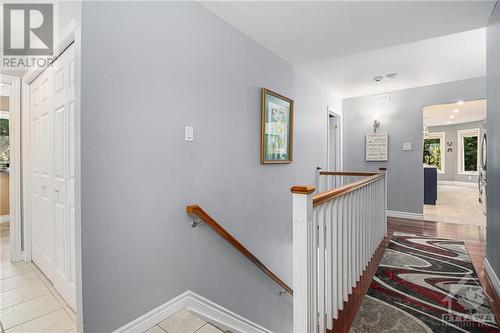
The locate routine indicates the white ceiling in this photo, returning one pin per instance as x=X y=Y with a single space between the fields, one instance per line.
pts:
x=346 y=43
x=446 y=114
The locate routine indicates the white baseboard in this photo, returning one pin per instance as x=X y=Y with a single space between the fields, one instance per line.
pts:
x=202 y=307
x=405 y=215
x=493 y=277
x=4 y=218
x=456 y=183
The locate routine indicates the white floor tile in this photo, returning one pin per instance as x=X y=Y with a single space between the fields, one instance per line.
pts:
x=15 y=269
x=24 y=312
x=54 y=322
x=209 y=329
x=22 y=294
x=155 y=329
x=456 y=204
x=18 y=281
x=182 y=322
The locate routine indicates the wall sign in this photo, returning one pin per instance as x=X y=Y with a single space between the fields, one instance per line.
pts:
x=376 y=147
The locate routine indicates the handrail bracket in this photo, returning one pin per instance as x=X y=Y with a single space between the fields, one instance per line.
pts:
x=196 y=222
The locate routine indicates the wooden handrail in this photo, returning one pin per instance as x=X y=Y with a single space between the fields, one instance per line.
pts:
x=347 y=173
x=199 y=212
x=337 y=192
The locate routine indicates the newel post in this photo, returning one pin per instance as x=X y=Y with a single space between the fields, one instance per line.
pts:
x=304 y=261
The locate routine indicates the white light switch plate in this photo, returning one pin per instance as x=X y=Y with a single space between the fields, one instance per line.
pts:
x=189 y=133
x=407 y=146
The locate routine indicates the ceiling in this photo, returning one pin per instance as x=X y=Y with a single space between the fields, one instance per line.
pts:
x=345 y=44
x=447 y=114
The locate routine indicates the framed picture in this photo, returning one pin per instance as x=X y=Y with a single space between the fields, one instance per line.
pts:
x=276 y=129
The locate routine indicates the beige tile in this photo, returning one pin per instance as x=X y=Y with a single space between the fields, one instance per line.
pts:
x=155 y=329
x=54 y=322
x=15 y=269
x=22 y=294
x=23 y=312
x=70 y=312
x=19 y=281
x=182 y=322
x=209 y=329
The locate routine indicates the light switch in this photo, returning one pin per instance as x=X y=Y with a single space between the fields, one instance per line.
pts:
x=407 y=146
x=189 y=133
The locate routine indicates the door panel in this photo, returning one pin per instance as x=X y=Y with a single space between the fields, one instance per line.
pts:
x=52 y=170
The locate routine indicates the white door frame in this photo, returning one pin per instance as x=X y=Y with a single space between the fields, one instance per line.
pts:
x=341 y=149
x=15 y=165
x=68 y=36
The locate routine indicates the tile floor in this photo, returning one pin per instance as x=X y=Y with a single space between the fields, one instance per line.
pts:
x=28 y=301
x=183 y=322
x=456 y=204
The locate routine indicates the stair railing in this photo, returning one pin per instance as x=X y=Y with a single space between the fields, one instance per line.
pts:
x=335 y=234
x=201 y=216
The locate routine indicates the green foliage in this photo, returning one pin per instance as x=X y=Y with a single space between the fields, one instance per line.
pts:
x=4 y=127
x=470 y=153
x=432 y=152
x=4 y=141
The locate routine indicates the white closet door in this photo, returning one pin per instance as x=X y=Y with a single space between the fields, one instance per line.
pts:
x=52 y=165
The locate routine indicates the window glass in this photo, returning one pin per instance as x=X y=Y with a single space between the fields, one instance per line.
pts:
x=432 y=152
x=4 y=142
x=470 y=153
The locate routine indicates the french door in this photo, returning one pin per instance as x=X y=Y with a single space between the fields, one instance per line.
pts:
x=52 y=169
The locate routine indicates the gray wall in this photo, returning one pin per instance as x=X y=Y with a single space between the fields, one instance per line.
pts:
x=451 y=158
x=401 y=118
x=493 y=132
x=149 y=69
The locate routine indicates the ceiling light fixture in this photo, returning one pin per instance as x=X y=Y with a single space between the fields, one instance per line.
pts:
x=452 y=116
x=456 y=110
x=391 y=75
x=460 y=102
x=378 y=78
x=448 y=122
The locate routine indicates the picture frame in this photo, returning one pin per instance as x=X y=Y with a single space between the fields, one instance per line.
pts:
x=276 y=128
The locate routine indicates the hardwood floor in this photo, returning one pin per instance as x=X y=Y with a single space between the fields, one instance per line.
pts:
x=474 y=238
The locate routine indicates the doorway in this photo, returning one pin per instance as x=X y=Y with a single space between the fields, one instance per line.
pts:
x=334 y=141
x=454 y=174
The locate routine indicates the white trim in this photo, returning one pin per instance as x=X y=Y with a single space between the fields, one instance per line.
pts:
x=202 y=307
x=461 y=134
x=65 y=39
x=4 y=219
x=456 y=183
x=14 y=165
x=442 y=145
x=495 y=281
x=405 y=215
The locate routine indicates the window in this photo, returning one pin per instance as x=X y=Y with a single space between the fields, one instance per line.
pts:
x=434 y=150
x=4 y=139
x=468 y=151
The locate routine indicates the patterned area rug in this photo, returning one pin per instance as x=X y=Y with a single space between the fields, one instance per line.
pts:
x=425 y=285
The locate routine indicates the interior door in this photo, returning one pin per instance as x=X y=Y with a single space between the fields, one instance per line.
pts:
x=52 y=170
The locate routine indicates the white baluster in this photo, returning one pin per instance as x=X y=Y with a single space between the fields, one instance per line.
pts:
x=335 y=257
x=328 y=263
x=320 y=216
x=340 y=253
x=304 y=261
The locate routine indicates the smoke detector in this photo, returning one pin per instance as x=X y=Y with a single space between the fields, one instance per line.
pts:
x=378 y=78
x=391 y=76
